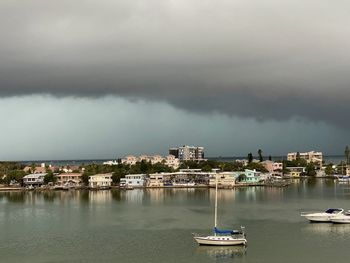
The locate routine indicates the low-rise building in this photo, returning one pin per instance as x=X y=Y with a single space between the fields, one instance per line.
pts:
x=274 y=168
x=295 y=172
x=133 y=180
x=156 y=159
x=172 y=161
x=250 y=176
x=225 y=179
x=155 y=180
x=100 y=181
x=74 y=178
x=130 y=160
x=34 y=179
x=35 y=170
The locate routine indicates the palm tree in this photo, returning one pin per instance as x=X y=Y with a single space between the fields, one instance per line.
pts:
x=260 y=155
x=347 y=152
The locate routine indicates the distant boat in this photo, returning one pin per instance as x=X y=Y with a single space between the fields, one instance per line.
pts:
x=222 y=237
x=343 y=178
x=326 y=216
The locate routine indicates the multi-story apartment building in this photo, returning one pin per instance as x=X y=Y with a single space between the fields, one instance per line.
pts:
x=169 y=160
x=314 y=157
x=188 y=153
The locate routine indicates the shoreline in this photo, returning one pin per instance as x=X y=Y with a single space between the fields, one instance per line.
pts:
x=23 y=189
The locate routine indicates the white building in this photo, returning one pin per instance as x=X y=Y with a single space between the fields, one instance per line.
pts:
x=155 y=180
x=113 y=162
x=225 y=179
x=100 y=181
x=34 y=179
x=314 y=157
x=133 y=180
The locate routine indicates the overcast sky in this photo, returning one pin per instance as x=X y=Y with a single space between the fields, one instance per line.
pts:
x=101 y=79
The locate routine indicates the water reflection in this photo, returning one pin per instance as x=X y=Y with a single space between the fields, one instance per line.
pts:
x=220 y=253
x=327 y=228
x=102 y=197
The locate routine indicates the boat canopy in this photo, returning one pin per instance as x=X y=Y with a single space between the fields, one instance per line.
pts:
x=333 y=210
x=223 y=232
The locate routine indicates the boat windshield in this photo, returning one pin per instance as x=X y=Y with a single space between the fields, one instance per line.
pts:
x=333 y=211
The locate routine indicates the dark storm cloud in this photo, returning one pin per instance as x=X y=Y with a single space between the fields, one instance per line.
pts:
x=248 y=58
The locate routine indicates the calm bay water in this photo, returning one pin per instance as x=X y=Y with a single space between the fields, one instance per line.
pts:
x=156 y=225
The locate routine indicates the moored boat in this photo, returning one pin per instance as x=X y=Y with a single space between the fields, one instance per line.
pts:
x=326 y=216
x=221 y=237
x=342 y=219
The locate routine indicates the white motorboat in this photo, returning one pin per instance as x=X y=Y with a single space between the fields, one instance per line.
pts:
x=326 y=216
x=344 y=178
x=342 y=219
x=221 y=237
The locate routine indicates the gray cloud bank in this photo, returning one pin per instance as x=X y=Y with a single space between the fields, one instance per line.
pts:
x=249 y=58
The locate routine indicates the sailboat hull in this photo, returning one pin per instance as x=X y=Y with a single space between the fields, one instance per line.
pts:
x=220 y=241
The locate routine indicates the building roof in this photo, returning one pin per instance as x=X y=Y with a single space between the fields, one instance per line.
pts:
x=34 y=175
x=70 y=174
x=100 y=175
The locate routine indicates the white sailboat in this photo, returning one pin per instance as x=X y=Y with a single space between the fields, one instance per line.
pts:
x=222 y=237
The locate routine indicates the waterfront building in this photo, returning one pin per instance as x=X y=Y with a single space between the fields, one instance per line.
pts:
x=250 y=176
x=133 y=180
x=34 y=179
x=155 y=180
x=314 y=157
x=224 y=179
x=74 y=178
x=100 y=181
x=348 y=170
x=188 y=153
x=295 y=172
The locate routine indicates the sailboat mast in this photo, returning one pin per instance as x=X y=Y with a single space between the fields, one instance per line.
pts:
x=216 y=200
